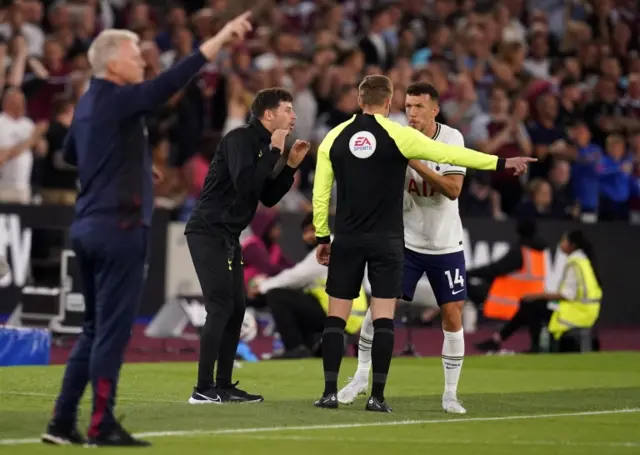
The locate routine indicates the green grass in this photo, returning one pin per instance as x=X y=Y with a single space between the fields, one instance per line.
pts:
x=494 y=390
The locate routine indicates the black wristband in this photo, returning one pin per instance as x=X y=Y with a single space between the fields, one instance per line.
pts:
x=502 y=163
x=323 y=240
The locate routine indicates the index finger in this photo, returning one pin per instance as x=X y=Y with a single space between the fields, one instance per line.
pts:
x=244 y=16
x=528 y=159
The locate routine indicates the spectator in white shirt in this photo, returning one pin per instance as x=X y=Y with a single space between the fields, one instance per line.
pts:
x=18 y=26
x=18 y=137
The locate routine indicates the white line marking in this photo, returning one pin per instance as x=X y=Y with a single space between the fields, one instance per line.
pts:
x=340 y=426
x=517 y=442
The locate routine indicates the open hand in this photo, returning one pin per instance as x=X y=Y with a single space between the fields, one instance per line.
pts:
x=519 y=164
x=323 y=253
x=297 y=153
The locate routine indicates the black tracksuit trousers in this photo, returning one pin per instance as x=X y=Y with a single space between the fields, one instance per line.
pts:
x=218 y=264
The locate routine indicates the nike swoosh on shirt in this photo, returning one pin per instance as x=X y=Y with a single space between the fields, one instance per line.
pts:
x=457 y=292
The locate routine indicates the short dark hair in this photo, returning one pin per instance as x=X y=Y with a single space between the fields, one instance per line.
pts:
x=375 y=90
x=423 y=88
x=269 y=99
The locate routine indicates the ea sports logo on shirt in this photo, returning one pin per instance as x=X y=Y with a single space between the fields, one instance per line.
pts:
x=362 y=144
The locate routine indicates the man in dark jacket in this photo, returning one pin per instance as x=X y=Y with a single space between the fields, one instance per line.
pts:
x=240 y=176
x=108 y=143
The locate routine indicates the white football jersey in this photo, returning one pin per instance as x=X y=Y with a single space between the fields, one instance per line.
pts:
x=432 y=222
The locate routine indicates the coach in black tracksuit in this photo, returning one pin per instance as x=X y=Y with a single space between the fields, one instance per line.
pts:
x=240 y=175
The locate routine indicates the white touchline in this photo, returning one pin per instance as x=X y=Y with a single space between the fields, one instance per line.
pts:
x=516 y=442
x=340 y=426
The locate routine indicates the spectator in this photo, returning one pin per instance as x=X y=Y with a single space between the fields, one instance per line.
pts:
x=539 y=203
x=20 y=138
x=304 y=103
x=538 y=64
x=562 y=194
x=569 y=107
x=261 y=253
x=375 y=46
x=54 y=82
x=57 y=178
x=481 y=200
x=547 y=136
x=346 y=106
x=566 y=62
x=584 y=174
x=604 y=113
x=297 y=16
x=615 y=181
x=463 y=106
x=182 y=43
x=17 y=26
x=176 y=19
x=502 y=133
x=397 y=113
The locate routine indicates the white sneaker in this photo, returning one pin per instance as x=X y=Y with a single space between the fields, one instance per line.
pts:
x=350 y=392
x=452 y=405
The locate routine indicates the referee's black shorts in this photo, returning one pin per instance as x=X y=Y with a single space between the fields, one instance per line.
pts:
x=382 y=255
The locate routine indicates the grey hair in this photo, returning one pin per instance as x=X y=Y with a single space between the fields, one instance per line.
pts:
x=105 y=47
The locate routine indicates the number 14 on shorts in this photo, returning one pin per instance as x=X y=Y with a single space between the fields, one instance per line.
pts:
x=455 y=278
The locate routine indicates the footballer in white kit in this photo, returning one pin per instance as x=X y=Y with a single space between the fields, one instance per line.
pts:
x=433 y=246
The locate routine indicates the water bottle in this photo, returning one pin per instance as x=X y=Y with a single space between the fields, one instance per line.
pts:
x=278 y=345
x=545 y=340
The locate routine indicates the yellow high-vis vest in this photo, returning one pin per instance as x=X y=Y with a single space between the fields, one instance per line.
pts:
x=584 y=311
x=358 y=311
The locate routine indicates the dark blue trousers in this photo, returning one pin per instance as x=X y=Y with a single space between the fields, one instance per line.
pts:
x=112 y=264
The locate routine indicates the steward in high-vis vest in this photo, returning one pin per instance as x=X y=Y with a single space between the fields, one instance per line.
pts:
x=575 y=305
x=520 y=272
x=580 y=292
x=299 y=302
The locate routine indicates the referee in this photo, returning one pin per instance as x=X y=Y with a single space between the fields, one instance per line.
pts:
x=107 y=141
x=367 y=156
x=241 y=174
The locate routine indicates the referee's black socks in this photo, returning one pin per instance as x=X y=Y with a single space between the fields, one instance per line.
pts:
x=332 y=352
x=381 y=353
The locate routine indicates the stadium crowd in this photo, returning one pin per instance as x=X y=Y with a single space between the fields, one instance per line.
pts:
x=553 y=79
